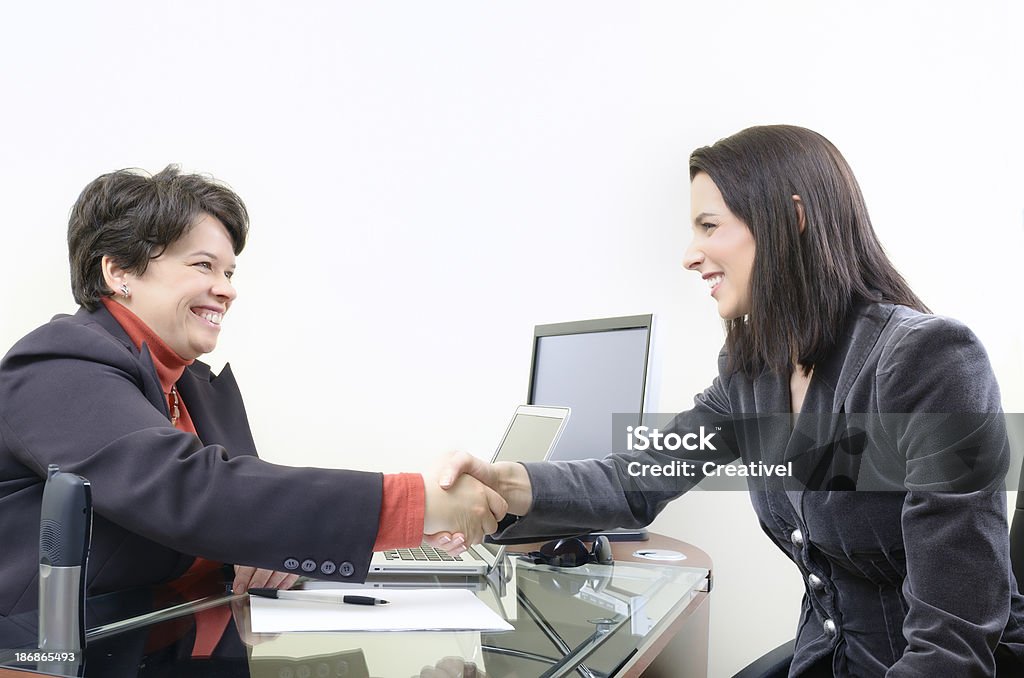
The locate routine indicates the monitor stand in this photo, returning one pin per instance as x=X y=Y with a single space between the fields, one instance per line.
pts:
x=620 y=534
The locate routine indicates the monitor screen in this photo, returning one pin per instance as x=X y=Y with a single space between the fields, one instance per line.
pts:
x=597 y=368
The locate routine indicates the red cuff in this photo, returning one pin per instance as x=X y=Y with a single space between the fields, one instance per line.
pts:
x=401 y=512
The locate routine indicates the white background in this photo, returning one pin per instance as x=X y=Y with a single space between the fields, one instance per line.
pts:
x=428 y=181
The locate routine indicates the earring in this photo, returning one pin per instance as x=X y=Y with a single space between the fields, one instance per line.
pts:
x=125 y=292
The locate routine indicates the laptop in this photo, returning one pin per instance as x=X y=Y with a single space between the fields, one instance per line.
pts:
x=530 y=436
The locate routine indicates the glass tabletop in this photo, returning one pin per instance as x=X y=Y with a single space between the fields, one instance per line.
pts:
x=587 y=620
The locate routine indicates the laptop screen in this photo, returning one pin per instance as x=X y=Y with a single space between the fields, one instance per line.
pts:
x=529 y=437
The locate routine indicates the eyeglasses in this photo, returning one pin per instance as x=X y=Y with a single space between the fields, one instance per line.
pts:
x=572 y=552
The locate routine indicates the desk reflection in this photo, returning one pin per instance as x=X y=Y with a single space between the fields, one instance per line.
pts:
x=593 y=620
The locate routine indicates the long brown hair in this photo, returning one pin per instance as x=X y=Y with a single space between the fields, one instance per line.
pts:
x=804 y=284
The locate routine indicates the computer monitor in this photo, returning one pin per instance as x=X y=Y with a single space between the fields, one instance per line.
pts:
x=597 y=368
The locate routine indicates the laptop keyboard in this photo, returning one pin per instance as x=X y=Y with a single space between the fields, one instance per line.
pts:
x=421 y=553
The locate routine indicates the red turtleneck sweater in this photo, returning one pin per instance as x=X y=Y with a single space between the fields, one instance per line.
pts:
x=402 y=501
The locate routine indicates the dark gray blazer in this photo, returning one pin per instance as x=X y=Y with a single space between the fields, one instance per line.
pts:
x=77 y=393
x=901 y=579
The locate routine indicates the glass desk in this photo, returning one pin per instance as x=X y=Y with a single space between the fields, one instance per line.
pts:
x=589 y=621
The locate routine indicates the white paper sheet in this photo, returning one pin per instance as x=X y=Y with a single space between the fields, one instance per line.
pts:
x=409 y=610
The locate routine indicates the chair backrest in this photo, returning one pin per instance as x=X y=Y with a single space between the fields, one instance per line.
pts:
x=1015 y=431
x=65 y=532
x=1017 y=536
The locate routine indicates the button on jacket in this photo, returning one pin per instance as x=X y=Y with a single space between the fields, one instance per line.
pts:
x=77 y=393
x=901 y=579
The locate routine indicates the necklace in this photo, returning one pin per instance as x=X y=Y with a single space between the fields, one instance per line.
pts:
x=175 y=413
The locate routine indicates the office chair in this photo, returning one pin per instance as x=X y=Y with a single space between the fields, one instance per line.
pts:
x=774 y=664
x=1017 y=534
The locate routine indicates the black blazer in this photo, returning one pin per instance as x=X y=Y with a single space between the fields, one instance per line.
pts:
x=902 y=578
x=77 y=393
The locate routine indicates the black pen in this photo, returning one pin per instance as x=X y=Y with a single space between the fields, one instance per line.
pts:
x=313 y=598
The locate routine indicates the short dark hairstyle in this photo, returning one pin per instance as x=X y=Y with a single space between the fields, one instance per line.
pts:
x=803 y=285
x=132 y=216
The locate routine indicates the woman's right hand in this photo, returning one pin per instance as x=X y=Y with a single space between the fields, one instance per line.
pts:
x=466 y=507
x=508 y=479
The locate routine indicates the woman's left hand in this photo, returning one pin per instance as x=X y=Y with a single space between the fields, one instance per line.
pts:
x=257 y=578
x=452 y=544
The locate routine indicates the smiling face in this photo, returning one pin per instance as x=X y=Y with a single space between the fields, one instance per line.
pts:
x=185 y=292
x=722 y=249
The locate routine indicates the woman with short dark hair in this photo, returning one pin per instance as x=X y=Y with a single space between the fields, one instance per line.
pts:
x=132 y=218
x=115 y=393
x=885 y=420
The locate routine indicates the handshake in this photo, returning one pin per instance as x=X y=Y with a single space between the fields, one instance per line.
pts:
x=466 y=497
